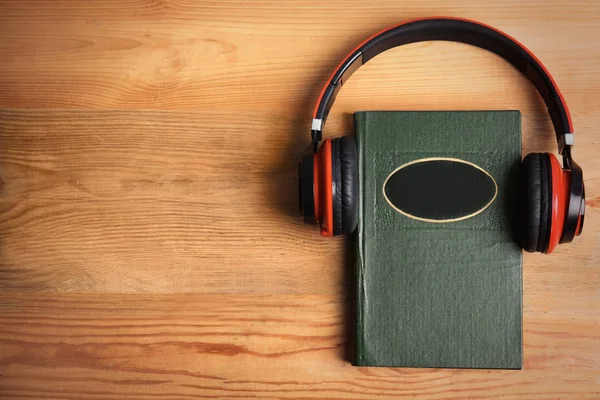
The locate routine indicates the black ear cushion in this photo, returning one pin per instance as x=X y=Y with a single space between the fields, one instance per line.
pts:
x=306 y=187
x=546 y=208
x=349 y=163
x=535 y=202
x=531 y=193
x=336 y=189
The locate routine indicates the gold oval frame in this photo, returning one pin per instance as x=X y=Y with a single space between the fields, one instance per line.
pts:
x=440 y=221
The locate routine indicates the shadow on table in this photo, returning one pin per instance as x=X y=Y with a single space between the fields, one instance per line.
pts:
x=349 y=299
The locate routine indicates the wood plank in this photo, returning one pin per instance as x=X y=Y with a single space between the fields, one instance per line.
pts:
x=202 y=157
x=197 y=346
x=218 y=54
x=180 y=201
x=199 y=157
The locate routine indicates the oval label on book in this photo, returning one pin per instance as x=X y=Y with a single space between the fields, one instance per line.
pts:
x=440 y=189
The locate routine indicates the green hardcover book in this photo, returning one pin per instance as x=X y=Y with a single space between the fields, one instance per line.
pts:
x=438 y=268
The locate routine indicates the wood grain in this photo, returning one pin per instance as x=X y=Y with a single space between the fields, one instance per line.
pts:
x=150 y=147
x=166 y=201
x=199 y=346
x=178 y=54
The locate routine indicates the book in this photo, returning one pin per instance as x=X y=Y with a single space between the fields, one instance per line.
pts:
x=438 y=268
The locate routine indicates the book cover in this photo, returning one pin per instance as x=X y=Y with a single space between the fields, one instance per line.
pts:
x=439 y=279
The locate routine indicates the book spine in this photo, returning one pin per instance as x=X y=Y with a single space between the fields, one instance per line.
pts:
x=360 y=248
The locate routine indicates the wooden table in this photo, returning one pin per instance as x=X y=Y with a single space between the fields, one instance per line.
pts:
x=150 y=246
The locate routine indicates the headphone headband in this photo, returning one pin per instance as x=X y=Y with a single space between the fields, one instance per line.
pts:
x=454 y=30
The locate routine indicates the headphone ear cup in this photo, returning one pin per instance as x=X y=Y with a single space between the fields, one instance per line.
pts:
x=536 y=192
x=349 y=166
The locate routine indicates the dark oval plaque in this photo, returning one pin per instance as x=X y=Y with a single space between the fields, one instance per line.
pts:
x=440 y=189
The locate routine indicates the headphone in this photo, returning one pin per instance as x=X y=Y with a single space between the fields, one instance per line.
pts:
x=552 y=196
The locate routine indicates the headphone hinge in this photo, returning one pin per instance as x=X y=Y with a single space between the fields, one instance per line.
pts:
x=565 y=140
x=566 y=153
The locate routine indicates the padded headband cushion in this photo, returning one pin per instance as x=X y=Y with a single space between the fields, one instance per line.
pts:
x=349 y=163
x=336 y=187
x=535 y=206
